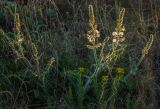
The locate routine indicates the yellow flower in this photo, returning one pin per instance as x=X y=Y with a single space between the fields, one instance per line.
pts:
x=81 y=70
x=120 y=70
x=104 y=77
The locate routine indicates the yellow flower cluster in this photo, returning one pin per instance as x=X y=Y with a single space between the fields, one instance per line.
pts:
x=93 y=33
x=104 y=77
x=120 y=70
x=81 y=70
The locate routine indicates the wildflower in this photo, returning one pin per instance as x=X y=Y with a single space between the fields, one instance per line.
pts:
x=120 y=70
x=118 y=34
x=81 y=70
x=104 y=77
x=114 y=33
x=123 y=29
x=121 y=34
x=123 y=39
x=114 y=40
x=93 y=33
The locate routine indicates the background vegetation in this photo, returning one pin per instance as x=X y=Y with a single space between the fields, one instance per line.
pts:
x=79 y=54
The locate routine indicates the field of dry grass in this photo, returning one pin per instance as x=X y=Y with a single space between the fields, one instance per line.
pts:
x=79 y=54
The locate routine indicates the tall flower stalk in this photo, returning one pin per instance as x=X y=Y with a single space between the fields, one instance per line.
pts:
x=93 y=33
x=18 y=34
x=104 y=60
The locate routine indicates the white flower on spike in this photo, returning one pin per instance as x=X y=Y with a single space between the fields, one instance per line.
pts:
x=97 y=33
x=114 y=40
x=114 y=33
x=123 y=39
x=121 y=33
